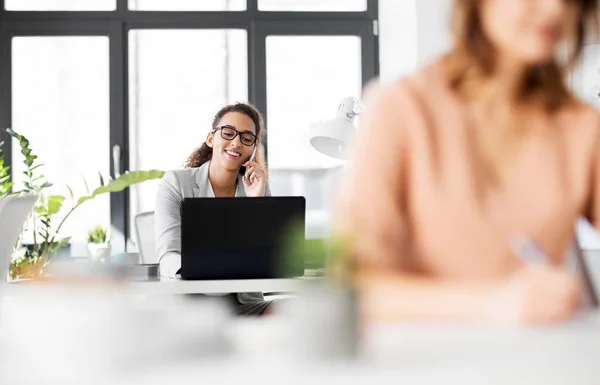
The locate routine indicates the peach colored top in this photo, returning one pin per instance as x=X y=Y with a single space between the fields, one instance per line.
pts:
x=416 y=196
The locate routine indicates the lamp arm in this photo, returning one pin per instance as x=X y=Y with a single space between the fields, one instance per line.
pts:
x=357 y=105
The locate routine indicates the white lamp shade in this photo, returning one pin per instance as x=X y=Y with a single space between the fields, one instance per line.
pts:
x=334 y=137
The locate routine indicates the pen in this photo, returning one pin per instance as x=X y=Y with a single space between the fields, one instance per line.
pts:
x=528 y=250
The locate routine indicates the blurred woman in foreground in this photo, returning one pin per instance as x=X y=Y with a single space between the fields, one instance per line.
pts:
x=454 y=162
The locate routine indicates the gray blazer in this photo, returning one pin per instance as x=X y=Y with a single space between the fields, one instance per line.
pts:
x=176 y=185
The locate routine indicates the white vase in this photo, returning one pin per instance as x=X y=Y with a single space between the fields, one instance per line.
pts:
x=99 y=251
x=330 y=312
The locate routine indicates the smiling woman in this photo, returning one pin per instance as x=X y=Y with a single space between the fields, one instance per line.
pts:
x=251 y=130
x=227 y=164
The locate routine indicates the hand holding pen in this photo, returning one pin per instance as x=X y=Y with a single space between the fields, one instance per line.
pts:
x=528 y=251
x=538 y=293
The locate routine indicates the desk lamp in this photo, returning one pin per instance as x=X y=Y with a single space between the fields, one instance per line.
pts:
x=334 y=137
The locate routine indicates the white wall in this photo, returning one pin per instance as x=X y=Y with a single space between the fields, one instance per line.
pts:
x=412 y=32
x=433 y=28
x=397 y=38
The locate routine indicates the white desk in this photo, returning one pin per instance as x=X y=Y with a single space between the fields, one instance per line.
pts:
x=93 y=332
x=178 y=286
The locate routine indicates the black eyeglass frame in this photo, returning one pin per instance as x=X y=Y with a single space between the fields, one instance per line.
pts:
x=220 y=128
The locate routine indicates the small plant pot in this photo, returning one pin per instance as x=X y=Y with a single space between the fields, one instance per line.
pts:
x=99 y=251
x=27 y=270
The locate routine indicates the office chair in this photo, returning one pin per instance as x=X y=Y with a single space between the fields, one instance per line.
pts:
x=13 y=213
x=577 y=261
x=144 y=230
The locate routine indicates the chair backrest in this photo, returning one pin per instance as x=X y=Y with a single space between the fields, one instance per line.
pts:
x=576 y=260
x=13 y=213
x=144 y=230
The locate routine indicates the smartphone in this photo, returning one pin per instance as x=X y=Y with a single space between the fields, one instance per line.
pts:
x=243 y=168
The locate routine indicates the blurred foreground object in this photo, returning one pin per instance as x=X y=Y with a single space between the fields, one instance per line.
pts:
x=324 y=314
x=70 y=333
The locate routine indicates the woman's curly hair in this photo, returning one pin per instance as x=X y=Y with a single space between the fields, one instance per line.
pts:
x=203 y=153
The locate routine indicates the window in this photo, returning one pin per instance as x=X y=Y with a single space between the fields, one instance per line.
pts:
x=585 y=79
x=62 y=107
x=187 y=5
x=178 y=80
x=313 y=5
x=60 y=5
x=303 y=92
x=149 y=79
x=587 y=235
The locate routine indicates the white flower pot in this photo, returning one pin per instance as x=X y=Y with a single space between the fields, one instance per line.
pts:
x=99 y=251
x=331 y=314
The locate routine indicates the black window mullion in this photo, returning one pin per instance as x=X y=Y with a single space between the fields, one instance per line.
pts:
x=373 y=9
x=119 y=129
x=157 y=22
x=122 y=7
x=313 y=27
x=252 y=7
x=257 y=72
x=5 y=94
x=51 y=28
x=369 y=52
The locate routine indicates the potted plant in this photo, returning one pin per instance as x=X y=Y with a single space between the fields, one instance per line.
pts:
x=327 y=306
x=98 y=244
x=50 y=212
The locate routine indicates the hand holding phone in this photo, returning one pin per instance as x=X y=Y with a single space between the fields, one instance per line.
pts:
x=253 y=155
x=244 y=169
x=255 y=177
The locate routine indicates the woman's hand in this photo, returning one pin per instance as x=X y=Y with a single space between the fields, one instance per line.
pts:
x=255 y=179
x=535 y=295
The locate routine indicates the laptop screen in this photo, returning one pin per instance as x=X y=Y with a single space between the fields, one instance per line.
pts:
x=238 y=238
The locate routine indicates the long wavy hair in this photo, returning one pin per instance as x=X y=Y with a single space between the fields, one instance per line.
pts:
x=204 y=153
x=473 y=57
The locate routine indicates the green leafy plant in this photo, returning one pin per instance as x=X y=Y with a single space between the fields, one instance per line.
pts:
x=333 y=253
x=5 y=182
x=36 y=183
x=98 y=235
x=46 y=233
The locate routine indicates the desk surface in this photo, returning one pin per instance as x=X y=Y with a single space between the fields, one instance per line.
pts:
x=565 y=354
x=179 y=286
x=94 y=332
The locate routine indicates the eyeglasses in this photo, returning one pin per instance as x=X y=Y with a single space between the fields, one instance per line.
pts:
x=229 y=133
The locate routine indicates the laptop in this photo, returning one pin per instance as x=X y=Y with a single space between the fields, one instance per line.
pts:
x=240 y=238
